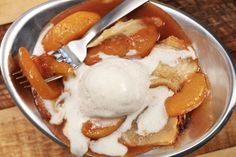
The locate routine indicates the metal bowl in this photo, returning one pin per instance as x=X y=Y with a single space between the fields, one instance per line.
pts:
x=214 y=60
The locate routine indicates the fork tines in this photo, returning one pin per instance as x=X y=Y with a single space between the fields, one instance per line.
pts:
x=16 y=73
x=23 y=80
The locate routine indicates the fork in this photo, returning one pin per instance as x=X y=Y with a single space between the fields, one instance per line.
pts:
x=68 y=53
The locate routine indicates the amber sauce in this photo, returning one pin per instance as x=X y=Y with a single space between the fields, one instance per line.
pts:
x=133 y=151
x=102 y=7
x=170 y=28
x=202 y=119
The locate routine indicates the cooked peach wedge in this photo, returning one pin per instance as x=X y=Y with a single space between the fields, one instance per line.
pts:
x=194 y=91
x=93 y=131
x=142 y=41
x=120 y=43
x=48 y=66
x=71 y=28
x=34 y=77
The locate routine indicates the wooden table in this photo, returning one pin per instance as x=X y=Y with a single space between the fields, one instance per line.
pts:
x=19 y=138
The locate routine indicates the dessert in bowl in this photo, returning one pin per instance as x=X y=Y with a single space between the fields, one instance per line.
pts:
x=141 y=86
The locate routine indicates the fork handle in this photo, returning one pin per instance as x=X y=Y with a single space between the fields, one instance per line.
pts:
x=120 y=11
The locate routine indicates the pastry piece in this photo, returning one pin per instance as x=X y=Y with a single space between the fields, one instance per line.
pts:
x=166 y=136
x=173 y=77
x=175 y=42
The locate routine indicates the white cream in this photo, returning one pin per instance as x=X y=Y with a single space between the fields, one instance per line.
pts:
x=165 y=55
x=155 y=117
x=74 y=118
x=57 y=112
x=56 y=109
x=109 y=145
x=49 y=105
x=105 y=122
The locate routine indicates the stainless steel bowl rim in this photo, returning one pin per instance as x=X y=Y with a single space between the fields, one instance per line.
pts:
x=19 y=23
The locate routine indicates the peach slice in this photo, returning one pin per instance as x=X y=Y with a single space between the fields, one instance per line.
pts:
x=193 y=93
x=34 y=77
x=48 y=66
x=142 y=41
x=93 y=131
x=70 y=28
x=117 y=45
x=42 y=66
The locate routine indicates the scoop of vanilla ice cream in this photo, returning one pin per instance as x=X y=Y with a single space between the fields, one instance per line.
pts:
x=113 y=87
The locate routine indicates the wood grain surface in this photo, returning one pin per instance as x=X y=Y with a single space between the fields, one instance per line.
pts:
x=19 y=138
x=16 y=7
x=229 y=152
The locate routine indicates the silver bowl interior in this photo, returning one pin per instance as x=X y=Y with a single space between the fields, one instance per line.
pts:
x=213 y=58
